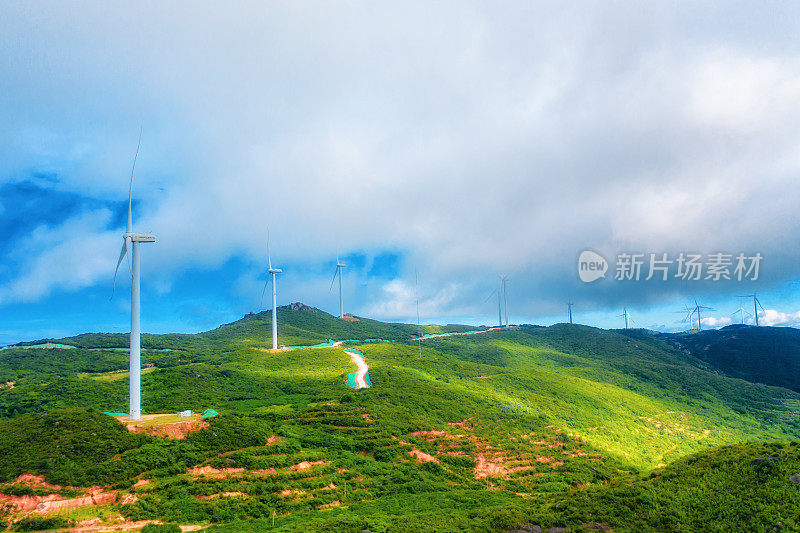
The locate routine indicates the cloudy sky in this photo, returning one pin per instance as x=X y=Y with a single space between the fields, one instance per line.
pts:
x=461 y=140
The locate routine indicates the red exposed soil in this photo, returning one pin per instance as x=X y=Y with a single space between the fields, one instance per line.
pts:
x=264 y=471
x=334 y=503
x=297 y=493
x=53 y=502
x=94 y=525
x=432 y=433
x=497 y=464
x=221 y=495
x=128 y=499
x=305 y=465
x=210 y=471
x=174 y=430
x=38 y=481
x=461 y=424
x=423 y=457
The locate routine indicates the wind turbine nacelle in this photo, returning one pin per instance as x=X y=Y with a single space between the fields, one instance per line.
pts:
x=275 y=271
x=143 y=237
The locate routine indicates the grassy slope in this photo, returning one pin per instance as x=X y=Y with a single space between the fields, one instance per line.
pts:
x=570 y=406
x=635 y=398
x=736 y=488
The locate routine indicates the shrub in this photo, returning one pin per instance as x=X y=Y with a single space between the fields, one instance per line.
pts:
x=39 y=523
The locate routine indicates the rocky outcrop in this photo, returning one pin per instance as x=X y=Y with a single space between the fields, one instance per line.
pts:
x=298 y=306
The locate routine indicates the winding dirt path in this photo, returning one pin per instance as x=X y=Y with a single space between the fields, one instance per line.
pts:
x=362 y=369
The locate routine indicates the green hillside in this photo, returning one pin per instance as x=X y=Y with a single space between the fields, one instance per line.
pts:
x=761 y=354
x=560 y=426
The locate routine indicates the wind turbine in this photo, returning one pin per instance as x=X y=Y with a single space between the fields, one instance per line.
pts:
x=131 y=240
x=419 y=329
x=688 y=318
x=626 y=315
x=271 y=273
x=569 y=306
x=503 y=281
x=339 y=267
x=756 y=305
x=741 y=312
x=697 y=308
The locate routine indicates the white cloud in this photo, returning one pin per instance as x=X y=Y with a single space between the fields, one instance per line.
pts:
x=70 y=256
x=772 y=317
x=477 y=139
x=714 y=322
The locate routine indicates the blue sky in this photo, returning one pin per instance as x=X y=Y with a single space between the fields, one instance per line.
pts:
x=461 y=140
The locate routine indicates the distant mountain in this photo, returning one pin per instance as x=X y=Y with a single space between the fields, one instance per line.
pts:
x=763 y=354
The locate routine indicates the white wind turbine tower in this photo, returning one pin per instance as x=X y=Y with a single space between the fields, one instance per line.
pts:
x=419 y=328
x=756 y=305
x=569 y=306
x=499 y=308
x=271 y=273
x=503 y=281
x=339 y=267
x=131 y=240
x=697 y=308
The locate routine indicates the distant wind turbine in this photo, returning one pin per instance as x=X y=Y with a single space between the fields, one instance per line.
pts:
x=689 y=316
x=131 y=240
x=697 y=308
x=626 y=315
x=503 y=281
x=419 y=329
x=272 y=273
x=741 y=313
x=339 y=267
x=569 y=306
x=756 y=305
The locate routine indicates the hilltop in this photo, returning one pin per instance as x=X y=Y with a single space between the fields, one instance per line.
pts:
x=556 y=426
x=299 y=324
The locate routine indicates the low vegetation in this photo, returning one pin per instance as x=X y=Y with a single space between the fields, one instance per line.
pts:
x=564 y=426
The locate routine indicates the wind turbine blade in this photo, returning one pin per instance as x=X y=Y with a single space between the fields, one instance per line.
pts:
x=264 y=291
x=129 y=226
x=334 y=275
x=269 y=259
x=122 y=254
x=490 y=296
